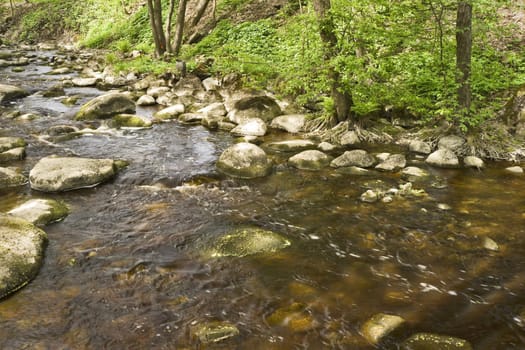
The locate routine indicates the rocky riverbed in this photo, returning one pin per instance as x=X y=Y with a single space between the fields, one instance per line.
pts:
x=185 y=211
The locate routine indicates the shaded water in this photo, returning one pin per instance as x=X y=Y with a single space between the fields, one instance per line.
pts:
x=127 y=269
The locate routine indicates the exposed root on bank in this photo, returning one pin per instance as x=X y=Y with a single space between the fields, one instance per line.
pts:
x=492 y=141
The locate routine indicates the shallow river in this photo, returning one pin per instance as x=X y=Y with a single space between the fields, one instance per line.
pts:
x=127 y=269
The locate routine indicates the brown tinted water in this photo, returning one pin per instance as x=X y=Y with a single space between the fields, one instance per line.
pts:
x=127 y=269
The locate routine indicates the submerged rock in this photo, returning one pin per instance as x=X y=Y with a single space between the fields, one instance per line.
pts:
x=358 y=157
x=310 y=160
x=10 y=92
x=379 y=326
x=443 y=158
x=248 y=241
x=106 y=106
x=413 y=171
x=21 y=253
x=214 y=332
x=292 y=123
x=429 y=341
x=244 y=160
x=56 y=174
x=294 y=317
x=11 y=178
x=41 y=211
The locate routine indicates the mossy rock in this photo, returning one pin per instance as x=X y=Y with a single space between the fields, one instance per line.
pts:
x=131 y=121
x=41 y=211
x=248 y=241
x=106 y=106
x=11 y=178
x=7 y=143
x=22 y=248
x=429 y=341
x=214 y=332
x=294 y=317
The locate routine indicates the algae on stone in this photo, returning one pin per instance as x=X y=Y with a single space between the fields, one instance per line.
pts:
x=248 y=241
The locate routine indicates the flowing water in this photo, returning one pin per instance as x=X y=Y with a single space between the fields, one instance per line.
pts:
x=127 y=269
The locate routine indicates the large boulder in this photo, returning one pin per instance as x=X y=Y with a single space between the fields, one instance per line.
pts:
x=292 y=123
x=10 y=92
x=263 y=107
x=248 y=241
x=56 y=174
x=251 y=127
x=429 y=341
x=22 y=248
x=349 y=138
x=310 y=160
x=244 y=160
x=443 y=158
x=419 y=146
x=215 y=109
x=106 y=106
x=358 y=157
x=41 y=211
x=11 y=178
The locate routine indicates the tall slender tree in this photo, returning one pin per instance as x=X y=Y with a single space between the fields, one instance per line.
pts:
x=179 y=29
x=464 y=54
x=342 y=98
x=155 y=17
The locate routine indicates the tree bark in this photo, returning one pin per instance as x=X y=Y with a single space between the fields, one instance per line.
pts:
x=169 y=21
x=155 y=16
x=201 y=9
x=342 y=98
x=181 y=16
x=464 y=54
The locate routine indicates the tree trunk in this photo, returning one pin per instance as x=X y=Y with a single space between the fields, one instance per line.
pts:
x=155 y=16
x=342 y=98
x=464 y=54
x=181 y=14
x=201 y=9
x=169 y=21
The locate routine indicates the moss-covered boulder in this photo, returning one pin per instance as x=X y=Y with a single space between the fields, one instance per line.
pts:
x=358 y=157
x=262 y=107
x=21 y=253
x=7 y=143
x=131 y=121
x=13 y=154
x=55 y=174
x=41 y=211
x=11 y=178
x=244 y=160
x=106 y=106
x=10 y=92
x=248 y=241
x=310 y=160
x=171 y=112
x=429 y=341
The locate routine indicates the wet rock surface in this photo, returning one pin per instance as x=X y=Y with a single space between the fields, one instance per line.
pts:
x=244 y=160
x=55 y=174
x=21 y=253
x=248 y=241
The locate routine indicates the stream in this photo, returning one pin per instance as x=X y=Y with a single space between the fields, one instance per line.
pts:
x=127 y=269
